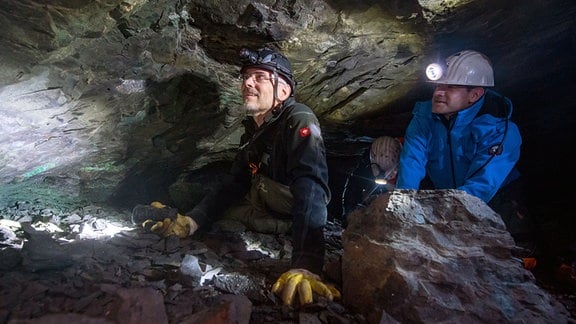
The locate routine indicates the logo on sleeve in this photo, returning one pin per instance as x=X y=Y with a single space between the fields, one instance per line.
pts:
x=310 y=130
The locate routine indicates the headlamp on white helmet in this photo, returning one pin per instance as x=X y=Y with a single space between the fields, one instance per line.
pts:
x=434 y=72
x=466 y=68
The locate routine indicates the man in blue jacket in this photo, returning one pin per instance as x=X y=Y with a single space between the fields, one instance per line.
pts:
x=463 y=138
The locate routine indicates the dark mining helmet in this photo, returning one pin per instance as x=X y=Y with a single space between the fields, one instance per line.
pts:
x=270 y=60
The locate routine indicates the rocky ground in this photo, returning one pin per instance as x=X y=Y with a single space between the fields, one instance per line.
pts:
x=93 y=265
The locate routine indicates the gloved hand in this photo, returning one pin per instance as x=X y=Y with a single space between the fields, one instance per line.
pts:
x=304 y=282
x=181 y=226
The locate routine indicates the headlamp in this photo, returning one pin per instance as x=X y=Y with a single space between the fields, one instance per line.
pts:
x=247 y=56
x=379 y=180
x=381 y=177
x=434 y=72
x=252 y=58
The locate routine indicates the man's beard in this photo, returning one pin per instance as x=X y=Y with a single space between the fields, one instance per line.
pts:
x=251 y=109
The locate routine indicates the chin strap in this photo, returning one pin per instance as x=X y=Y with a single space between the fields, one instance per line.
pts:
x=276 y=81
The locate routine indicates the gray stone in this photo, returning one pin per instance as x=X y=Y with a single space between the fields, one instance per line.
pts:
x=438 y=256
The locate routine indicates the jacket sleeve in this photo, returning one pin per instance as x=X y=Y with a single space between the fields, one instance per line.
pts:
x=413 y=157
x=488 y=173
x=310 y=215
x=232 y=188
x=308 y=171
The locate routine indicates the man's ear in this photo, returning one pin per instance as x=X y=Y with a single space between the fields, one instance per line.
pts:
x=284 y=91
x=476 y=93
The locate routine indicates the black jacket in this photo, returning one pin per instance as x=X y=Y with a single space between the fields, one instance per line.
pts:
x=359 y=187
x=289 y=149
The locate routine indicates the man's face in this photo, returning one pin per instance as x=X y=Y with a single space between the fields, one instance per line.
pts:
x=449 y=99
x=258 y=91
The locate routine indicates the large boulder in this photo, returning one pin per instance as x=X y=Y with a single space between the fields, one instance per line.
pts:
x=438 y=256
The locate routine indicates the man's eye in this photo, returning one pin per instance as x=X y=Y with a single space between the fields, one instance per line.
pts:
x=261 y=77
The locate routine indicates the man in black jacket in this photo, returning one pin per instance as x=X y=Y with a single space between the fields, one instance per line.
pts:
x=279 y=179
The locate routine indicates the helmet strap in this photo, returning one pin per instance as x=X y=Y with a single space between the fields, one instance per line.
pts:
x=276 y=81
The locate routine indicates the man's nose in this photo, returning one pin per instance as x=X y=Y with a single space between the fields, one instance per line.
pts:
x=439 y=91
x=250 y=81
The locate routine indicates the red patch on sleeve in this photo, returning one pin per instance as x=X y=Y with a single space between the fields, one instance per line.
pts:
x=304 y=132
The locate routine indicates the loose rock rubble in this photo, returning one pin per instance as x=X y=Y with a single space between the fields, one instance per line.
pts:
x=93 y=265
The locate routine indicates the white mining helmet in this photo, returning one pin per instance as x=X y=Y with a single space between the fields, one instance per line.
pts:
x=468 y=68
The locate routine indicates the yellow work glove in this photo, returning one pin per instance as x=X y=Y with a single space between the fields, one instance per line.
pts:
x=304 y=283
x=157 y=204
x=182 y=226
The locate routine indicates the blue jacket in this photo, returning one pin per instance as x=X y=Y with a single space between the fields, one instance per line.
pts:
x=459 y=153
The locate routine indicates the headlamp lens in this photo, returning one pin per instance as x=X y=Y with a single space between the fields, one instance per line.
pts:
x=434 y=72
x=380 y=181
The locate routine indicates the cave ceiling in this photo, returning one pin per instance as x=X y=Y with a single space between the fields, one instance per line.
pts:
x=93 y=93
